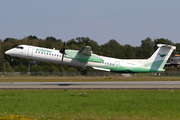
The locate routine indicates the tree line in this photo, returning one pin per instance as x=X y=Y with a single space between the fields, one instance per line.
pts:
x=111 y=49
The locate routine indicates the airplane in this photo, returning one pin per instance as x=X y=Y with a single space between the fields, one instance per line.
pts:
x=85 y=58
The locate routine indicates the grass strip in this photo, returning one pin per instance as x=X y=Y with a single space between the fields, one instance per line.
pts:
x=85 y=79
x=102 y=104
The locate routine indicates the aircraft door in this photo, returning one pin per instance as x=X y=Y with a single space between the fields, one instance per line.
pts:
x=116 y=66
x=30 y=52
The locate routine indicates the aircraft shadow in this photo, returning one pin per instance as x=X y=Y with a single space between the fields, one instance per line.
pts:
x=62 y=84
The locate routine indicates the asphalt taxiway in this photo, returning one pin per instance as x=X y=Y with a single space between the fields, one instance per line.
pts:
x=92 y=85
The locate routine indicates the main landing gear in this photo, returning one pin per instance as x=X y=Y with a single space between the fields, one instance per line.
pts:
x=83 y=72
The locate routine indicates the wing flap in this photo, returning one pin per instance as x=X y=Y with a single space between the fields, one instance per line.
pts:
x=103 y=69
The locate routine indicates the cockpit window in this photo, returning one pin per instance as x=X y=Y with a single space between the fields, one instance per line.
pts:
x=18 y=47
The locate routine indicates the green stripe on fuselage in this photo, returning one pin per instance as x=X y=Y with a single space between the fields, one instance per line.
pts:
x=122 y=69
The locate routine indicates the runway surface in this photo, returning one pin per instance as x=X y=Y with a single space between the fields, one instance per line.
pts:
x=92 y=85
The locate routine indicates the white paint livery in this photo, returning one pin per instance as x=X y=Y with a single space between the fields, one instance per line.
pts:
x=85 y=58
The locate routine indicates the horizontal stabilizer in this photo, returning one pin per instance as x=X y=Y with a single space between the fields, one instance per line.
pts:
x=168 y=46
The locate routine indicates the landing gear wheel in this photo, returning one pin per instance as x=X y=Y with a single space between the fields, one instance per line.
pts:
x=83 y=72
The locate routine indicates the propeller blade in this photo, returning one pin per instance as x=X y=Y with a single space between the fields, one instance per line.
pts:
x=63 y=51
x=62 y=57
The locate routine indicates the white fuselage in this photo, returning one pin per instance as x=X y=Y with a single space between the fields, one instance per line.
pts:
x=84 y=58
x=54 y=56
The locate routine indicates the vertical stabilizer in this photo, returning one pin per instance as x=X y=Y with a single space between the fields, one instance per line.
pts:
x=157 y=61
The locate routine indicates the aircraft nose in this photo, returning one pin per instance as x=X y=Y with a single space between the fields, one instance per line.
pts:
x=8 y=52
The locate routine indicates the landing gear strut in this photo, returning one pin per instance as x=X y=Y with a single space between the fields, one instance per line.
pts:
x=83 y=72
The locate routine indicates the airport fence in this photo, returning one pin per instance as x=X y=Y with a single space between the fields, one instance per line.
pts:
x=97 y=73
x=58 y=74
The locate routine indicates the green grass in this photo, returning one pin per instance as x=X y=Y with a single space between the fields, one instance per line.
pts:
x=82 y=79
x=109 y=104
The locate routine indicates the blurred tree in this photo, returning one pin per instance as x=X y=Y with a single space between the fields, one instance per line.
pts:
x=129 y=52
x=72 y=44
x=7 y=67
x=177 y=48
x=36 y=68
x=23 y=68
x=72 y=69
x=16 y=62
x=50 y=42
x=53 y=68
x=147 y=48
x=10 y=40
x=32 y=37
x=138 y=51
x=162 y=41
x=51 y=39
x=1 y=55
x=112 y=49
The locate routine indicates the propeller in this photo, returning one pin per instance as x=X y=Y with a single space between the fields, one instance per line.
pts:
x=63 y=51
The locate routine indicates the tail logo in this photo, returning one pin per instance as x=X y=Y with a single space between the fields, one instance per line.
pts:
x=162 y=55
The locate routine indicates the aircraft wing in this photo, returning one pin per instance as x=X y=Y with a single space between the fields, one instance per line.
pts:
x=84 y=55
